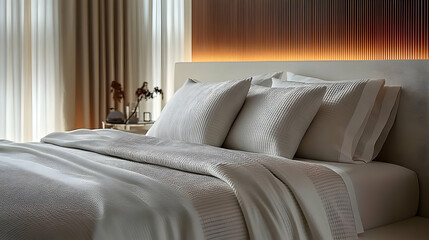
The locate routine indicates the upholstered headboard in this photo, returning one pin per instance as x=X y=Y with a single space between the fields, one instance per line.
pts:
x=408 y=142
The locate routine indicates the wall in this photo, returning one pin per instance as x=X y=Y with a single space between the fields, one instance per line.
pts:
x=257 y=30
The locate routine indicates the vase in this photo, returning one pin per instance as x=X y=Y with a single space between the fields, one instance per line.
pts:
x=115 y=117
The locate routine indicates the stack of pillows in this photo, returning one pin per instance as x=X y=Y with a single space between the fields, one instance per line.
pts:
x=303 y=117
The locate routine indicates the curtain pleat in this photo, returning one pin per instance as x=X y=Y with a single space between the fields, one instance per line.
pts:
x=131 y=42
x=156 y=33
x=31 y=91
x=11 y=16
x=67 y=62
x=59 y=58
x=27 y=92
x=100 y=58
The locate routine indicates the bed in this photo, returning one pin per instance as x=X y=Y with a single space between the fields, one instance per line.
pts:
x=74 y=186
x=385 y=193
x=108 y=184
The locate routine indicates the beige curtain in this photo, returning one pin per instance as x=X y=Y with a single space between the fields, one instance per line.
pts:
x=58 y=58
x=130 y=41
x=100 y=58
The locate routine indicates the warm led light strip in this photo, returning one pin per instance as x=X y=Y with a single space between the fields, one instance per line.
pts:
x=257 y=30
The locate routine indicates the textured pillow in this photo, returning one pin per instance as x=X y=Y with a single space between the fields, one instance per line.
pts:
x=337 y=127
x=300 y=78
x=201 y=112
x=266 y=79
x=379 y=124
x=274 y=120
x=376 y=129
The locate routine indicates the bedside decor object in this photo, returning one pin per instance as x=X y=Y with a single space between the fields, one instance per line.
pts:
x=143 y=93
x=115 y=116
x=132 y=119
x=116 y=89
x=137 y=128
x=147 y=117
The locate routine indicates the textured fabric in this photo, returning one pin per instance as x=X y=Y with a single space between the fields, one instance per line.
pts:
x=84 y=191
x=385 y=193
x=300 y=78
x=214 y=201
x=350 y=189
x=379 y=124
x=274 y=193
x=376 y=128
x=274 y=120
x=265 y=80
x=51 y=193
x=383 y=136
x=338 y=206
x=337 y=127
x=201 y=112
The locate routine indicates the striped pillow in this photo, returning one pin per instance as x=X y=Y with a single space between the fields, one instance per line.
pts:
x=379 y=121
x=265 y=79
x=337 y=127
x=201 y=112
x=273 y=121
x=379 y=124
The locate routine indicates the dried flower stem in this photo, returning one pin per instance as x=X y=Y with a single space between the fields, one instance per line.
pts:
x=134 y=110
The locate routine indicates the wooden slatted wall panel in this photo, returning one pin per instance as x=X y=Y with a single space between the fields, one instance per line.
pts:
x=259 y=30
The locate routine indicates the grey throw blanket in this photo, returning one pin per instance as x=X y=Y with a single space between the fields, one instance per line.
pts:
x=49 y=188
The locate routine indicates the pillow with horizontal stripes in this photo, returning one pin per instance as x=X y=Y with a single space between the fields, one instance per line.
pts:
x=379 y=124
x=379 y=121
x=201 y=112
x=273 y=120
x=337 y=127
x=265 y=79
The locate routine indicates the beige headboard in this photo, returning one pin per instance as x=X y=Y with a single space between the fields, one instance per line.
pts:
x=408 y=142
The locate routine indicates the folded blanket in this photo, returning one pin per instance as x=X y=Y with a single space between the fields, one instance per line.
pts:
x=47 y=193
x=279 y=198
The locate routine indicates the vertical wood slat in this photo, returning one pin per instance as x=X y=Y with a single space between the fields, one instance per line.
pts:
x=255 y=30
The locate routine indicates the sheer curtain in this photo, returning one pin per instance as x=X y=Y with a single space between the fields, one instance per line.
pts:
x=30 y=83
x=58 y=58
x=159 y=35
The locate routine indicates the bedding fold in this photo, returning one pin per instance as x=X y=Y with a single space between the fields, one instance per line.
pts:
x=63 y=187
x=51 y=194
x=277 y=198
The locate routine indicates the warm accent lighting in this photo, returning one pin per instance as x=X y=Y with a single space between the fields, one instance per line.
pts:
x=256 y=30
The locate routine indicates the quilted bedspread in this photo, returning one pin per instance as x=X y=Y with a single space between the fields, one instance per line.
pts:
x=107 y=184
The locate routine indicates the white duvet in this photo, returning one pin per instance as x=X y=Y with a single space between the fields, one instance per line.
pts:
x=63 y=188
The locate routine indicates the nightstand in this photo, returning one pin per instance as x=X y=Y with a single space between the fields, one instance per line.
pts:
x=139 y=128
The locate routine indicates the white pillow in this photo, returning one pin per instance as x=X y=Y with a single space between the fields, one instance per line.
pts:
x=379 y=124
x=337 y=127
x=201 y=112
x=274 y=120
x=379 y=121
x=266 y=79
x=300 y=78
